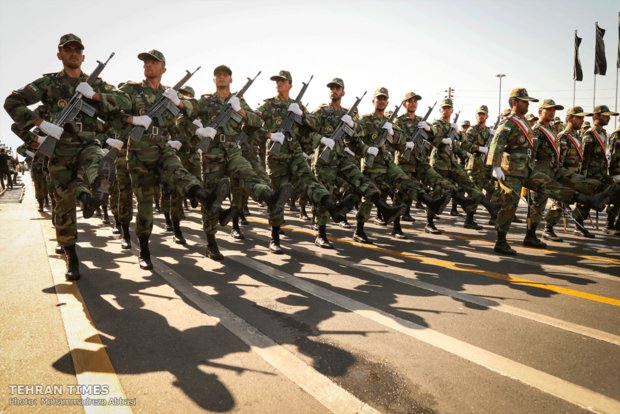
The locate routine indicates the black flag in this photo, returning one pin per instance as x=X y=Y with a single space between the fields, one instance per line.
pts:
x=577 y=72
x=600 y=63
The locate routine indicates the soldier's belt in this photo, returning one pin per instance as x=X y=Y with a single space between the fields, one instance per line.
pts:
x=157 y=131
x=223 y=138
x=527 y=151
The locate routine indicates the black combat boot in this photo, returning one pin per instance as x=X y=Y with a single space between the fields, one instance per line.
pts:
x=117 y=226
x=321 y=239
x=470 y=223
x=226 y=214
x=502 y=246
x=89 y=205
x=465 y=202
x=168 y=222
x=531 y=240
x=292 y=206
x=157 y=206
x=436 y=205
x=46 y=201
x=345 y=223
x=213 y=252
x=145 y=254
x=407 y=215
x=386 y=212
x=430 y=224
x=73 y=264
x=40 y=200
x=454 y=211
x=59 y=249
x=303 y=214
x=243 y=220
x=492 y=208
x=178 y=234
x=106 y=217
x=397 y=231
x=549 y=234
x=338 y=211
x=236 y=231
x=276 y=200
x=359 y=235
x=126 y=243
x=274 y=243
x=596 y=202
x=580 y=229
x=609 y=228
x=211 y=201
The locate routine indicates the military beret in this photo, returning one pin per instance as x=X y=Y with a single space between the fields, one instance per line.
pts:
x=336 y=82
x=283 y=74
x=154 y=54
x=521 y=93
x=69 y=38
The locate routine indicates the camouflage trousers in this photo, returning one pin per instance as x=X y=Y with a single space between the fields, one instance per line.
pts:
x=431 y=179
x=483 y=180
x=148 y=165
x=172 y=201
x=510 y=194
x=226 y=160
x=39 y=179
x=69 y=162
x=121 y=196
x=292 y=167
x=458 y=176
x=389 y=179
x=342 y=169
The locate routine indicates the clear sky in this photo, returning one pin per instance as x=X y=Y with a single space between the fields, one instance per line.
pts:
x=424 y=46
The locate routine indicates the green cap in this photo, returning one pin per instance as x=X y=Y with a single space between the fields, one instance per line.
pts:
x=283 y=74
x=483 y=109
x=521 y=93
x=550 y=104
x=586 y=124
x=222 y=68
x=506 y=112
x=531 y=117
x=466 y=123
x=382 y=91
x=576 y=111
x=557 y=119
x=153 y=54
x=445 y=102
x=69 y=38
x=188 y=90
x=410 y=95
x=603 y=110
x=336 y=82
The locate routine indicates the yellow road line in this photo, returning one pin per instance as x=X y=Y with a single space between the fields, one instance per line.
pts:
x=464 y=268
x=90 y=359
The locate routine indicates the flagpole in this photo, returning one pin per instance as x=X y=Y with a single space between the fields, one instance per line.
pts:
x=575 y=86
x=574 y=70
x=594 y=93
x=616 y=110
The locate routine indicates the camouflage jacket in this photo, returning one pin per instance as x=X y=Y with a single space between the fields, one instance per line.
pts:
x=511 y=147
x=570 y=150
x=409 y=127
x=328 y=119
x=595 y=150
x=370 y=128
x=545 y=151
x=477 y=136
x=614 y=153
x=142 y=97
x=273 y=111
x=210 y=105
x=444 y=156
x=54 y=90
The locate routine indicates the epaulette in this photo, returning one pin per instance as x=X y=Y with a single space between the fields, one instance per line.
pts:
x=50 y=74
x=206 y=95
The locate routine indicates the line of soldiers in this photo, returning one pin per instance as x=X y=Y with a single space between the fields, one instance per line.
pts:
x=208 y=148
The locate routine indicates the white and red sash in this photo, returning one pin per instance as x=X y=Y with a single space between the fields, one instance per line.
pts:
x=575 y=144
x=551 y=139
x=525 y=128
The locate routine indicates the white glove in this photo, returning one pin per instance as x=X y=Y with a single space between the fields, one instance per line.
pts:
x=86 y=90
x=206 y=132
x=491 y=131
x=51 y=130
x=294 y=108
x=277 y=137
x=498 y=173
x=446 y=141
x=409 y=145
x=142 y=120
x=115 y=143
x=40 y=139
x=388 y=127
x=173 y=96
x=175 y=144
x=30 y=154
x=616 y=178
x=308 y=157
x=328 y=142
x=105 y=151
x=424 y=125
x=197 y=122
x=484 y=150
x=455 y=126
x=348 y=151
x=235 y=103
x=373 y=151
x=346 y=118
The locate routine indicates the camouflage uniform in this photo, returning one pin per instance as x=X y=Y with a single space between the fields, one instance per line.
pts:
x=481 y=175
x=78 y=148
x=613 y=210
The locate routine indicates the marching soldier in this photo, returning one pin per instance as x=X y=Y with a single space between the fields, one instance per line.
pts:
x=613 y=209
x=78 y=147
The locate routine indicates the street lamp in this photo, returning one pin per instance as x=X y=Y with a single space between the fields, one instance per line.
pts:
x=499 y=106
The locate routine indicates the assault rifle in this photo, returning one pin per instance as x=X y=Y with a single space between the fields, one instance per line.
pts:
x=418 y=137
x=226 y=115
x=286 y=127
x=383 y=135
x=341 y=129
x=73 y=108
